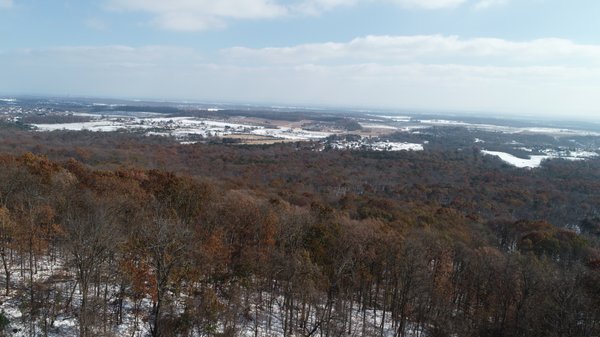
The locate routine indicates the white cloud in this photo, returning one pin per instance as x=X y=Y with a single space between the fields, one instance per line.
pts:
x=315 y=7
x=429 y=4
x=105 y=58
x=318 y=6
x=426 y=48
x=485 y=4
x=198 y=15
x=195 y=15
x=6 y=3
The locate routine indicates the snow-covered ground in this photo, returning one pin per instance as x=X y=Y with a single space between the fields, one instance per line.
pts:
x=376 y=146
x=291 y=133
x=396 y=118
x=102 y=125
x=182 y=127
x=171 y=125
x=533 y=161
x=509 y=129
x=377 y=126
x=64 y=323
x=257 y=320
x=188 y=130
x=364 y=323
x=536 y=160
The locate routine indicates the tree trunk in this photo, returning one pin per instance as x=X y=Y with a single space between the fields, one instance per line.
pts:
x=6 y=270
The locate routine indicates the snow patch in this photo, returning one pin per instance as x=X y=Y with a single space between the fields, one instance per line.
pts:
x=536 y=160
x=376 y=146
x=532 y=162
x=396 y=118
x=377 y=126
x=291 y=133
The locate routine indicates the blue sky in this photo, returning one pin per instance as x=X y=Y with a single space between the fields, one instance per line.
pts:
x=526 y=57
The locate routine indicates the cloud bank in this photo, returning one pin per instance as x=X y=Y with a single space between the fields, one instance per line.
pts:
x=485 y=4
x=429 y=4
x=197 y=15
x=545 y=76
x=426 y=48
x=200 y=15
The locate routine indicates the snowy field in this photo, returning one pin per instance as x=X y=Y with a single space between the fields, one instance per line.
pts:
x=396 y=118
x=532 y=162
x=291 y=133
x=376 y=146
x=188 y=130
x=182 y=127
x=536 y=160
x=509 y=129
x=377 y=126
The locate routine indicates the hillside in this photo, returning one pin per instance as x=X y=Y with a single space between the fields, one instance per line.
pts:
x=118 y=234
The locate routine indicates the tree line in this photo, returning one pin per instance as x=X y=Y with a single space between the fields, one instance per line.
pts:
x=189 y=255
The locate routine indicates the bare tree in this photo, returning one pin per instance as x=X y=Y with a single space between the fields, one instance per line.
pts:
x=89 y=240
x=163 y=241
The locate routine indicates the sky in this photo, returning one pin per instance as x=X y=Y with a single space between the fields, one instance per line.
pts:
x=517 y=57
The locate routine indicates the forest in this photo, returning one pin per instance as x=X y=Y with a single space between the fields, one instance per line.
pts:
x=133 y=235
